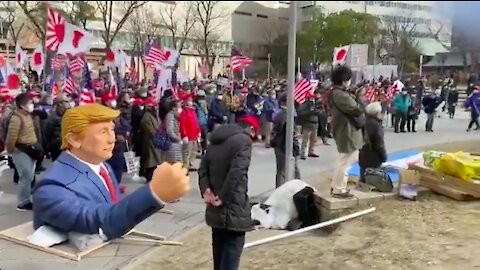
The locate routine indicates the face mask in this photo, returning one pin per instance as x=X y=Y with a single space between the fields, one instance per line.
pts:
x=142 y=107
x=143 y=95
x=274 y=97
x=36 y=100
x=347 y=83
x=220 y=97
x=404 y=93
x=190 y=103
x=29 y=108
x=179 y=110
x=113 y=103
x=72 y=104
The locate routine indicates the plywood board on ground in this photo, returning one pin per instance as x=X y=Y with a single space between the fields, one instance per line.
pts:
x=19 y=234
x=441 y=179
x=444 y=190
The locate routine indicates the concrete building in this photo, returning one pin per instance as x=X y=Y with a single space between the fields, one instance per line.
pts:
x=423 y=14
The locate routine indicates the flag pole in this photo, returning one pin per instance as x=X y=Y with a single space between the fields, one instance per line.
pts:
x=289 y=159
x=243 y=74
x=268 y=70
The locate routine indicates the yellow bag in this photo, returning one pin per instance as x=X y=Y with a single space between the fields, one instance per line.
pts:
x=459 y=164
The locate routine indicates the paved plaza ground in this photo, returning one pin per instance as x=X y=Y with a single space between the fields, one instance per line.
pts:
x=188 y=213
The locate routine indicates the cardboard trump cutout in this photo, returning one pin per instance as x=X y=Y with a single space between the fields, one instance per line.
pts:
x=79 y=192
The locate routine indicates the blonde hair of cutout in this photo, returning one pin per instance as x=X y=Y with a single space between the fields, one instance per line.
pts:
x=76 y=120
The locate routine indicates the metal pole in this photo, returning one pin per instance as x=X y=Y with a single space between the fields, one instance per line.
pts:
x=298 y=65
x=268 y=71
x=292 y=34
x=420 y=66
x=374 y=58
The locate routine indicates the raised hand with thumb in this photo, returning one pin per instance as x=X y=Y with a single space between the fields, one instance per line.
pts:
x=170 y=182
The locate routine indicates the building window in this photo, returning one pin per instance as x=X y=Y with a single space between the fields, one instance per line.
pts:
x=262 y=16
x=243 y=13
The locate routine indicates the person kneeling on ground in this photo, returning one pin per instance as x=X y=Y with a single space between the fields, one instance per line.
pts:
x=373 y=152
x=223 y=181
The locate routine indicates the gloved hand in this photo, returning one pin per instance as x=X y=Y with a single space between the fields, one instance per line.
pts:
x=170 y=182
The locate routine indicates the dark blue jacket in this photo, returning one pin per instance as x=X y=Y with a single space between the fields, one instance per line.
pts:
x=201 y=115
x=430 y=103
x=269 y=108
x=217 y=111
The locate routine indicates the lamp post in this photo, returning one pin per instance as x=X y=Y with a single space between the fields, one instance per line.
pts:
x=289 y=159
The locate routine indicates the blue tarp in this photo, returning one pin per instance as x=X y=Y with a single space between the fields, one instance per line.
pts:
x=394 y=174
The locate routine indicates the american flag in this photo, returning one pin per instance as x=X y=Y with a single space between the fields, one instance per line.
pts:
x=55 y=91
x=154 y=57
x=76 y=65
x=133 y=71
x=58 y=62
x=69 y=86
x=302 y=89
x=87 y=97
x=238 y=61
x=371 y=94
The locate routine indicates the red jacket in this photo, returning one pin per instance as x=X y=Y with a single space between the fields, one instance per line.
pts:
x=189 y=124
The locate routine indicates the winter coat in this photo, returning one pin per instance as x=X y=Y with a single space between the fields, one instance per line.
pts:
x=270 y=106
x=473 y=101
x=452 y=98
x=373 y=152
x=401 y=103
x=189 y=127
x=224 y=169
x=217 y=111
x=202 y=112
x=347 y=137
x=53 y=132
x=172 y=127
x=308 y=114
x=149 y=125
x=122 y=133
x=430 y=103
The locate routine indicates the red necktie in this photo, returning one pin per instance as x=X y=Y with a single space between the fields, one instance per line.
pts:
x=108 y=181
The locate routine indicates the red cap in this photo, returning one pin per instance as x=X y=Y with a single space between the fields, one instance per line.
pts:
x=32 y=94
x=106 y=97
x=186 y=97
x=138 y=101
x=150 y=101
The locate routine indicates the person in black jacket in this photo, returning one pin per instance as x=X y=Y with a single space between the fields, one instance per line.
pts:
x=53 y=126
x=223 y=181
x=452 y=102
x=373 y=152
x=430 y=104
x=279 y=138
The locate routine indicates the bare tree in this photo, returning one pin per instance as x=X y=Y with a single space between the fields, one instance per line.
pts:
x=36 y=13
x=144 y=25
x=178 y=27
x=11 y=18
x=398 y=39
x=208 y=16
x=113 y=23
x=79 y=12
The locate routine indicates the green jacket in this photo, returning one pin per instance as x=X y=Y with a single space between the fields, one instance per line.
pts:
x=401 y=103
x=348 y=138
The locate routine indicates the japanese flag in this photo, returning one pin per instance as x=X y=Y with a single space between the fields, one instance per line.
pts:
x=170 y=56
x=20 y=56
x=37 y=61
x=113 y=86
x=75 y=41
x=340 y=55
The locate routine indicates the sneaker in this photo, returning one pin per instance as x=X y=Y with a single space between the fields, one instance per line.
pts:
x=40 y=169
x=26 y=207
x=303 y=157
x=313 y=155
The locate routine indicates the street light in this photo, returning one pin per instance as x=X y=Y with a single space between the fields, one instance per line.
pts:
x=292 y=34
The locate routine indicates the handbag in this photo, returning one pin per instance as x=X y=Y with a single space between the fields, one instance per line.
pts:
x=161 y=140
x=378 y=178
x=34 y=151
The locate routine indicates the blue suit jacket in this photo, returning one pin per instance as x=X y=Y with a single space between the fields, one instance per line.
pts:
x=71 y=197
